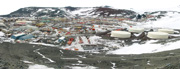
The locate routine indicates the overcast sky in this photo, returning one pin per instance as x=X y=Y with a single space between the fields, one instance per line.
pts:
x=8 y=6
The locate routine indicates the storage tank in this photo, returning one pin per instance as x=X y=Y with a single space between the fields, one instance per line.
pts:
x=120 y=34
x=158 y=35
x=170 y=31
x=136 y=30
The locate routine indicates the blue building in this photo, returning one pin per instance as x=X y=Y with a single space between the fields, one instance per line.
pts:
x=17 y=36
x=29 y=36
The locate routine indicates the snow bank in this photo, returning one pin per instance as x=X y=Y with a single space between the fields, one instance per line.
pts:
x=149 y=47
x=36 y=66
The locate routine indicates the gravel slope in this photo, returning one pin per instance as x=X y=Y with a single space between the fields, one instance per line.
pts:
x=13 y=55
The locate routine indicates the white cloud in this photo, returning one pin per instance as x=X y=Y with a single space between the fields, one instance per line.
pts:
x=8 y=6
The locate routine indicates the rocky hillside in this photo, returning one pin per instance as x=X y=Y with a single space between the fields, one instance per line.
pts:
x=69 y=12
x=37 y=12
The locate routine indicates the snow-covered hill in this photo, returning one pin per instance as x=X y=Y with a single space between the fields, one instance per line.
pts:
x=69 y=12
x=169 y=19
x=37 y=12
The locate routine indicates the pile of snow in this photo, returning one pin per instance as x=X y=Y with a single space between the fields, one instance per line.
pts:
x=149 y=47
x=36 y=66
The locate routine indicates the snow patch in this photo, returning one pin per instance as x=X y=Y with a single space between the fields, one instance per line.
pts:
x=171 y=20
x=51 y=45
x=86 y=67
x=39 y=10
x=61 y=51
x=37 y=66
x=1 y=34
x=149 y=47
x=37 y=51
x=93 y=39
x=28 y=62
x=114 y=65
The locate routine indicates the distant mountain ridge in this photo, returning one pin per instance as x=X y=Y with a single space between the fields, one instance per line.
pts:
x=69 y=11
